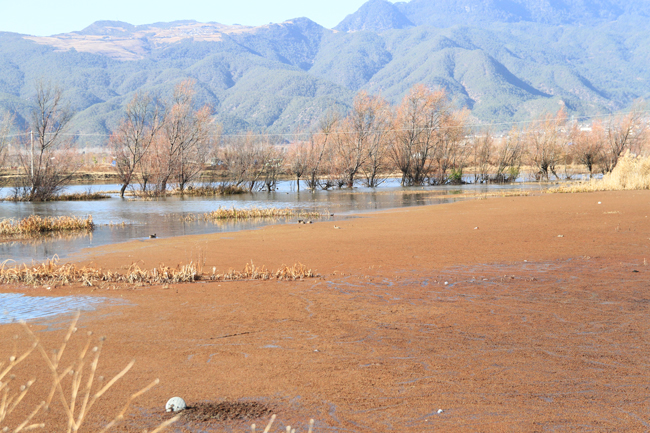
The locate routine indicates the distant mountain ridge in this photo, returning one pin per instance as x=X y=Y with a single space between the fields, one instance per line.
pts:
x=282 y=77
x=376 y=16
x=446 y=13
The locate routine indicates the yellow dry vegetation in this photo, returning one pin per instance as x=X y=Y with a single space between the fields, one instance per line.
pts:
x=631 y=173
x=51 y=273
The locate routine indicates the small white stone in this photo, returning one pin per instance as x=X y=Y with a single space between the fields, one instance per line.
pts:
x=175 y=404
x=440 y=411
x=599 y=203
x=446 y=282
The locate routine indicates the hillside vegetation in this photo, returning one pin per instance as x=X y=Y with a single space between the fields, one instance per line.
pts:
x=503 y=63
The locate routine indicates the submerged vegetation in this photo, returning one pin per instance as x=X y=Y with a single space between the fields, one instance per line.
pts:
x=53 y=274
x=630 y=173
x=252 y=213
x=78 y=196
x=37 y=225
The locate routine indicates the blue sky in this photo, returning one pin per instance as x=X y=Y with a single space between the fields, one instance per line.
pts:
x=47 y=17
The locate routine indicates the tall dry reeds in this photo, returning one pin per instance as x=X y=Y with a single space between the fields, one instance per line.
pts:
x=50 y=273
x=631 y=173
x=34 y=225
x=77 y=386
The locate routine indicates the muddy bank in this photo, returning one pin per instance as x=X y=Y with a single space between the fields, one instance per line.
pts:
x=521 y=314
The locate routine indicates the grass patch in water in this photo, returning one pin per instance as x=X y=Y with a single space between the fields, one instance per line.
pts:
x=252 y=213
x=37 y=225
x=77 y=196
x=207 y=190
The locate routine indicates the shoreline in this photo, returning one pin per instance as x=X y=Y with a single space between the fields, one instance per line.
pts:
x=531 y=329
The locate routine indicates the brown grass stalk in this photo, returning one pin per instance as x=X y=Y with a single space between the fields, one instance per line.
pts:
x=630 y=173
x=82 y=389
x=37 y=225
x=50 y=273
x=251 y=213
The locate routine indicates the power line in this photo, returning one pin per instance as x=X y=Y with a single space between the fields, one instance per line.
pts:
x=383 y=131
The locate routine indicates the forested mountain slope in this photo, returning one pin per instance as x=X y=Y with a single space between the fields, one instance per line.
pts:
x=283 y=77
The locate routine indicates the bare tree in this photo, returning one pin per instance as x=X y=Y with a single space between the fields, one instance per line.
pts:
x=546 y=142
x=274 y=157
x=451 y=150
x=46 y=155
x=252 y=161
x=298 y=157
x=319 y=147
x=508 y=157
x=375 y=168
x=134 y=136
x=588 y=145
x=623 y=133
x=186 y=136
x=418 y=124
x=482 y=147
x=361 y=135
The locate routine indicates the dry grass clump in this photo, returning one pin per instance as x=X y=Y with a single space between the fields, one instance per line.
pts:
x=252 y=213
x=81 y=196
x=208 y=190
x=77 y=196
x=630 y=173
x=35 y=225
x=77 y=386
x=50 y=273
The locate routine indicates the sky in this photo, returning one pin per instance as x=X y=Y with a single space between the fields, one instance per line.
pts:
x=48 y=17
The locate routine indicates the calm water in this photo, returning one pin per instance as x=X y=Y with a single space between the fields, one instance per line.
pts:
x=163 y=217
x=16 y=307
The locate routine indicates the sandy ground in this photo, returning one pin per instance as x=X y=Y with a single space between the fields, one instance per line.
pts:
x=509 y=314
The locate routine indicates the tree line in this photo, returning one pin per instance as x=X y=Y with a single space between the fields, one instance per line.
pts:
x=161 y=144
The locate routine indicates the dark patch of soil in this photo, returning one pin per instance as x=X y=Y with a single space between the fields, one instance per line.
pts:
x=223 y=411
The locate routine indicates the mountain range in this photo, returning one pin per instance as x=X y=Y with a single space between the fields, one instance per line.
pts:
x=505 y=60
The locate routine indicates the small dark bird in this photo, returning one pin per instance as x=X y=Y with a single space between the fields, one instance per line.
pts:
x=153 y=236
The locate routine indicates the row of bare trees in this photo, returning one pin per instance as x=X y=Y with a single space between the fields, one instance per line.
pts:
x=424 y=141
x=420 y=139
x=160 y=144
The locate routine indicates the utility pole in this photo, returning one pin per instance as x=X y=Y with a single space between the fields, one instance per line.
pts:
x=31 y=134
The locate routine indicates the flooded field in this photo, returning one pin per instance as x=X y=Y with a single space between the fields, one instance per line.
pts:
x=121 y=220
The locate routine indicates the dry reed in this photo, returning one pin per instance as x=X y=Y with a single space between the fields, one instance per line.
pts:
x=630 y=173
x=75 y=386
x=252 y=213
x=78 y=196
x=207 y=190
x=36 y=225
x=81 y=196
x=50 y=273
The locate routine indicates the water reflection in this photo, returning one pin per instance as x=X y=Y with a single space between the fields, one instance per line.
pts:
x=164 y=216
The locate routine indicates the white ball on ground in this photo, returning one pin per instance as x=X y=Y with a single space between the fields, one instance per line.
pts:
x=175 y=404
